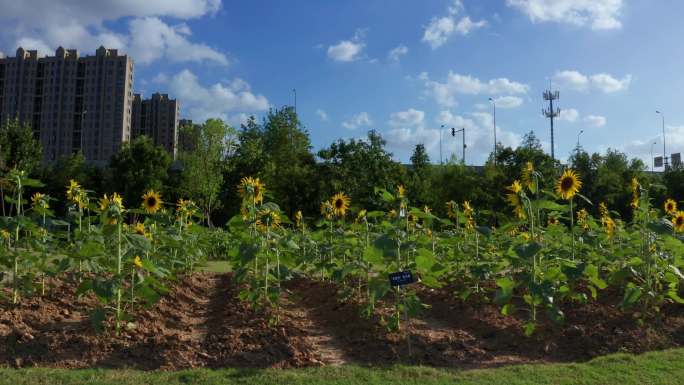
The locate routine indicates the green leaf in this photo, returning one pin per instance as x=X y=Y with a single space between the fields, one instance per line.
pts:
x=528 y=251
x=505 y=292
x=631 y=297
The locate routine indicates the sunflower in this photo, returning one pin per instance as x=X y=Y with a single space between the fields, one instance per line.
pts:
x=267 y=218
x=298 y=218
x=427 y=210
x=451 y=209
x=5 y=234
x=678 y=221
x=151 y=202
x=40 y=200
x=139 y=228
x=582 y=219
x=327 y=210
x=568 y=185
x=635 y=185
x=186 y=208
x=401 y=191
x=137 y=262
x=468 y=212
x=514 y=201
x=528 y=177
x=609 y=225
x=361 y=216
x=670 y=206
x=252 y=189
x=553 y=221
x=115 y=201
x=392 y=213
x=73 y=190
x=340 y=204
x=603 y=209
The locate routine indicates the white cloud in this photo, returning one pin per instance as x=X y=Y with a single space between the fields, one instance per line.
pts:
x=571 y=79
x=396 y=53
x=440 y=29
x=359 y=120
x=465 y=25
x=160 y=78
x=152 y=39
x=348 y=50
x=82 y=25
x=604 y=82
x=608 y=84
x=599 y=14
x=508 y=102
x=322 y=115
x=445 y=93
x=569 y=115
x=228 y=101
x=408 y=118
x=595 y=120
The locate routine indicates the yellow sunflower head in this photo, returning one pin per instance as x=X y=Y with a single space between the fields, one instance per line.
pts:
x=609 y=225
x=678 y=221
x=635 y=185
x=401 y=191
x=267 y=219
x=298 y=218
x=5 y=234
x=340 y=203
x=137 y=262
x=40 y=200
x=451 y=207
x=528 y=177
x=327 y=210
x=568 y=185
x=361 y=216
x=115 y=202
x=427 y=210
x=151 y=202
x=73 y=189
x=670 y=206
x=252 y=189
x=553 y=221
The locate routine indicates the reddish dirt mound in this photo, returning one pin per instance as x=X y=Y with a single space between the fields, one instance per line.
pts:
x=475 y=334
x=202 y=324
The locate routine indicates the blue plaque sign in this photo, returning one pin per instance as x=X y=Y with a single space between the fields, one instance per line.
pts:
x=401 y=278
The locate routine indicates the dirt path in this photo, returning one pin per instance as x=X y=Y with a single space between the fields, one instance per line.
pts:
x=327 y=349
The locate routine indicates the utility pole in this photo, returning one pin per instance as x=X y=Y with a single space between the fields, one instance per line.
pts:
x=550 y=96
x=453 y=133
x=494 y=105
x=665 y=164
x=652 y=144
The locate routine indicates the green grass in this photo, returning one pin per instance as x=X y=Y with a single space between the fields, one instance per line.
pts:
x=217 y=267
x=666 y=367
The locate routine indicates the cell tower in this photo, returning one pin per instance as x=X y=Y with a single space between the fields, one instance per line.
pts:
x=551 y=113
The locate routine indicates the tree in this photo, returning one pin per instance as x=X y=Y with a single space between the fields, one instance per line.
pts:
x=419 y=181
x=137 y=167
x=203 y=166
x=357 y=167
x=56 y=177
x=18 y=147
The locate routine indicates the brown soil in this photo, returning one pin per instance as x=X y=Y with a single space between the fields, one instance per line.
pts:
x=202 y=324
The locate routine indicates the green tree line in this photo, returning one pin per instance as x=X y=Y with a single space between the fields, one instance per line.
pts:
x=213 y=158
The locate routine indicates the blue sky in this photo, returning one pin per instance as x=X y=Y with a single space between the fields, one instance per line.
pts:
x=403 y=67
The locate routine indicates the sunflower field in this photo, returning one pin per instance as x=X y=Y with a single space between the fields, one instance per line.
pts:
x=548 y=253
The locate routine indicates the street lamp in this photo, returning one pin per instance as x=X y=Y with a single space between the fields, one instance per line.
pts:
x=652 y=144
x=494 y=105
x=453 y=133
x=578 y=136
x=441 y=128
x=664 y=152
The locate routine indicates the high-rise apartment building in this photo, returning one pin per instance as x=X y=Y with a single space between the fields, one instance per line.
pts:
x=72 y=103
x=157 y=118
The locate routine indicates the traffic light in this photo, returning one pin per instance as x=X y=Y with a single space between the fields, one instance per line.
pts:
x=453 y=131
